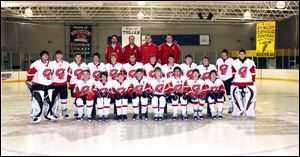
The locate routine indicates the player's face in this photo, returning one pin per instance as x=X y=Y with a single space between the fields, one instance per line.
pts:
x=96 y=59
x=195 y=75
x=213 y=76
x=85 y=75
x=78 y=58
x=113 y=59
x=103 y=78
x=205 y=62
x=45 y=57
x=148 y=39
x=224 y=55
x=131 y=40
x=121 y=78
x=59 y=57
x=188 y=60
x=114 y=40
x=157 y=73
x=139 y=75
x=242 y=55
x=171 y=60
x=132 y=59
x=152 y=60
x=177 y=73
x=169 y=39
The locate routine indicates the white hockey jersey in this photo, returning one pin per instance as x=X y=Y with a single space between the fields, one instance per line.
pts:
x=187 y=70
x=195 y=87
x=96 y=70
x=139 y=86
x=40 y=73
x=149 y=69
x=103 y=87
x=131 y=68
x=224 y=68
x=168 y=70
x=113 y=70
x=205 y=70
x=160 y=86
x=60 y=73
x=243 y=72
x=214 y=85
x=85 y=88
x=75 y=73
x=179 y=84
x=120 y=87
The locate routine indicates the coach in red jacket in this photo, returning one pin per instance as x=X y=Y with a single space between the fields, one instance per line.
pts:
x=169 y=47
x=114 y=47
x=131 y=48
x=149 y=48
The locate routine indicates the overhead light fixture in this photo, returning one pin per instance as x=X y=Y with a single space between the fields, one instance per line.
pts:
x=247 y=15
x=2 y=4
x=200 y=15
x=280 y=4
x=140 y=15
x=210 y=16
x=141 y=2
x=28 y=12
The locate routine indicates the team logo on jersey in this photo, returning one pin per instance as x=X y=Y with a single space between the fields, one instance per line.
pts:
x=151 y=74
x=60 y=73
x=97 y=75
x=113 y=73
x=78 y=73
x=159 y=88
x=214 y=89
x=189 y=73
x=196 y=87
x=223 y=69
x=47 y=74
x=170 y=74
x=103 y=90
x=131 y=73
x=85 y=90
x=243 y=71
x=205 y=75
x=121 y=90
x=178 y=88
x=138 y=89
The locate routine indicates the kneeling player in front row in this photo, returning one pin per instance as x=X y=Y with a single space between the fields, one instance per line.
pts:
x=216 y=91
x=197 y=93
x=84 y=92
x=139 y=90
x=179 y=95
x=161 y=89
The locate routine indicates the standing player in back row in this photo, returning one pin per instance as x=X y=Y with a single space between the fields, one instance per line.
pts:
x=96 y=67
x=205 y=68
x=131 y=67
x=225 y=74
x=188 y=67
x=167 y=69
x=243 y=91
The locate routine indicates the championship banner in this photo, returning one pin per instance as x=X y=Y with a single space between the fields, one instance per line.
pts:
x=265 y=39
x=80 y=39
x=127 y=31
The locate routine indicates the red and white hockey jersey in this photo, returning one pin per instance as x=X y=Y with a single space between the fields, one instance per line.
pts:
x=103 y=87
x=96 y=70
x=131 y=68
x=168 y=70
x=85 y=88
x=113 y=70
x=214 y=85
x=196 y=87
x=160 y=86
x=205 y=70
x=179 y=84
x=40 y=73
x=224 y=68
x=187 y=70
x=243 y=73
x=75 y=73
x=139 y=86
x=149 y=69
x=120 y=87
x=60 y=73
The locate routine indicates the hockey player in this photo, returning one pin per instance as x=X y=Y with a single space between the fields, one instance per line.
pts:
x=148 y=49
x=161 y=89
x=114 y=47
x=188 y=67
x=96 y=67
x=179 y=93
x=197 y=94
x=139 y=89
x=149 y=67
x=130 y=49
x=103 y=95
x=215 y=90
x=113 y=68
x=120 y=93
x=39 y=77
x=59 y=79
x=74 y=74
x=225 y=74
x=205 y=68
x=85 y=92
x=131 y=67
x=243 y=91
x=169 y=47
x=167 y=69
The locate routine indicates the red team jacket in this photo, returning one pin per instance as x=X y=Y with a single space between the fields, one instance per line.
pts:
x=165 y=50
x=117 y=50
x=147 y=51
x=127 y=50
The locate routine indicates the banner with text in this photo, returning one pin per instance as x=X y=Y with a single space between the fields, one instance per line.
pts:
x=265 y=39
x=80 y=39
x=128 y=31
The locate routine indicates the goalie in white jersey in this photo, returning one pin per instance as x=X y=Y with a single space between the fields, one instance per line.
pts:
x=243 y=91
